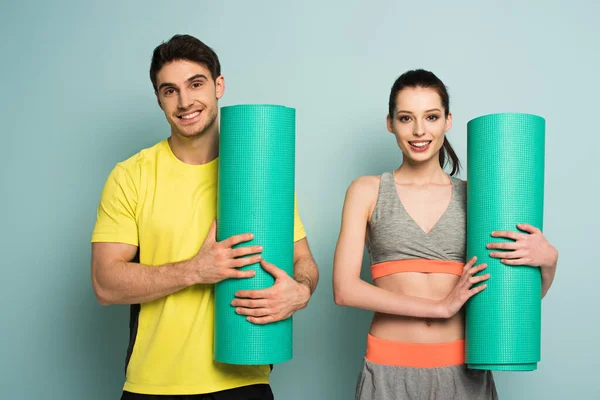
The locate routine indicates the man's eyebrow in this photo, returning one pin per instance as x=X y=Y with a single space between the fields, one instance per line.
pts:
x=164 y=84
x=197 y=76
x=188 y=80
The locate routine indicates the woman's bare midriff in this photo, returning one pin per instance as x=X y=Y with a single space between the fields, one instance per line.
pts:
x=433 y=286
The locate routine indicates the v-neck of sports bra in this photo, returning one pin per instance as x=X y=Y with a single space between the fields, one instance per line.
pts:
x=441 y=217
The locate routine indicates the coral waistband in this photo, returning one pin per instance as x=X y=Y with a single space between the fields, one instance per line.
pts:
x=415 y=355
x=416 y=265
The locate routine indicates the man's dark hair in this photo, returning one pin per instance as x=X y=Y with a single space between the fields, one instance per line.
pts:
x=184 y=47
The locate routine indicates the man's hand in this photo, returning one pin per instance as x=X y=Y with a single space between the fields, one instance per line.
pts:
x=217 y=261
x=276 y=303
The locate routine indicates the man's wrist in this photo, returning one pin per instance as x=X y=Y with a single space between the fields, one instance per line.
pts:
x=305 y=290
x=191 y=275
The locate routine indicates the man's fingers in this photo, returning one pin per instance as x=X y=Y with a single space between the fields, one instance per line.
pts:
x=247 y=303
x=236 y=274
x=237 y=239
x=272 y=269
x=262 y=320
x=253 y=294
x=245 y=261
x=253 y=312
x=244 y=251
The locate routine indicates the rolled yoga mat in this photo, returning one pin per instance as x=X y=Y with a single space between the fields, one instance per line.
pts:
x=255 y=195
x=505 y=186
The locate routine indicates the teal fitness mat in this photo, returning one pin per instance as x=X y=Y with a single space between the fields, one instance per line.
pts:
x=255 y=195
x=505 y=186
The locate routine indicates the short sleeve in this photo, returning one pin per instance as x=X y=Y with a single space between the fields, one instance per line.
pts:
x=116 y=219
x=299 y=232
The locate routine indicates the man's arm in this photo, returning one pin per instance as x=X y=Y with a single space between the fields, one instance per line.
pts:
x=118 y=280
x=305 y=267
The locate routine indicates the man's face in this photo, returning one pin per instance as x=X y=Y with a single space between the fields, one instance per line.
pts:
x=188 y=95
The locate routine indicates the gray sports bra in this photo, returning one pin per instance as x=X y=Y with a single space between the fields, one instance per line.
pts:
x=392 y=235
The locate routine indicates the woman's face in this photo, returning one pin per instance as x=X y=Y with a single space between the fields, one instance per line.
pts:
x=419 y=123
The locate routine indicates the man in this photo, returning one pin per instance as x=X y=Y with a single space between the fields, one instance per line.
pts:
x=154 y=245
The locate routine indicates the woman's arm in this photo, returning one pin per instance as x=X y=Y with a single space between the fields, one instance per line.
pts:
x=350 y=290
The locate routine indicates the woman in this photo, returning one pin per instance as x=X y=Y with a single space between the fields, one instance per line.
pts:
x=414 y=225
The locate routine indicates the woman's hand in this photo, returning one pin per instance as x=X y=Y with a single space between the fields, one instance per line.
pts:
x=529 y=248
x=463 y=290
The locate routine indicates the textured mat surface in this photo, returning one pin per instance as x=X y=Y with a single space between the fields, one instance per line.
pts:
x=505 y=186
x=256 y=194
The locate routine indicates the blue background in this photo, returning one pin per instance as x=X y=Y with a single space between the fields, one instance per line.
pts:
x=76 y=99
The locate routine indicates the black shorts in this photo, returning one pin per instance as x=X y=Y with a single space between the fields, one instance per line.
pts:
x=252 y=392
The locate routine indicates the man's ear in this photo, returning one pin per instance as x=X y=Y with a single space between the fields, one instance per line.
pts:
x=158 y=100
x=220 y=86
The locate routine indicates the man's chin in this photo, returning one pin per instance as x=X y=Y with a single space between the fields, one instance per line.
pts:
x=190 y=133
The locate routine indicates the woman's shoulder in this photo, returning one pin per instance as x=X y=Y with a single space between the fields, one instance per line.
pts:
x=462 y=184
x=366 y=183
x=362 y=195
x=460 y=189
x=457 y=179
x=365 y=187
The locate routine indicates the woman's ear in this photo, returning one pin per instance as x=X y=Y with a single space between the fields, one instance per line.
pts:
x=388 y=121
x=448 y=122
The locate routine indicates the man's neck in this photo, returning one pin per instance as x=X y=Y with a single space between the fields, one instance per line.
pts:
x=196 y=150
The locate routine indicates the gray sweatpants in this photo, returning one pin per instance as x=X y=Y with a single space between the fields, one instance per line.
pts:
x=457 y=382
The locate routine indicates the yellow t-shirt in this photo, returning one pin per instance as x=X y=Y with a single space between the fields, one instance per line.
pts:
x=165 y=207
